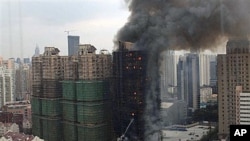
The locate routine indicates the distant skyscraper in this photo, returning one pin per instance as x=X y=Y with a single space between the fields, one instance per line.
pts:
x=73 y=44
x=233 y=79
x=168 y=74
x=18 y=60
x=37 y=51
x=213 y=73
x=23 y=81
x=26 y=60
x=188 y=80
x=129 y=72
x=204 y=66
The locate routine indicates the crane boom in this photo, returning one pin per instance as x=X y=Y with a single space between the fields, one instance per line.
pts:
x=68 y=31
x=122 y=138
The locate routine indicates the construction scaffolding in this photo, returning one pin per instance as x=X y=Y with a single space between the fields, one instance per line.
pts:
x=36 y=105
x=91 y=90
x=100 y=132
x=37 y=130
x=51 y=88
x=89 y=113
x=70 y=70
x=71 y=93
x=51 y=107
x=69 y=112
x=69 y=90
x=70 y=131
x=51 y=129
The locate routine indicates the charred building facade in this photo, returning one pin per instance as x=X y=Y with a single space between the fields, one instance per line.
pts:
x=129 y=74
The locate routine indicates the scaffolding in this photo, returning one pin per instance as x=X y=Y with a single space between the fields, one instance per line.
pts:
x=70 y=131
x=91 y=90
x=69 y=90
x=69 y=112
x=51 y=88
x=92 y=113
x=36 y=105
x=100 y=132
x=51 y=129
x=51 y=107
x=37 y=130
x=94 y=66
x=70 y=96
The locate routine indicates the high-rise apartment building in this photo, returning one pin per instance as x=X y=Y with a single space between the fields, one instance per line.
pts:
x=188 y=81
x=73 y=44
x=23 y=81
x=233 y=79
x=70 y=99
x=7 y=81
x=129 y=90
x=204 y=67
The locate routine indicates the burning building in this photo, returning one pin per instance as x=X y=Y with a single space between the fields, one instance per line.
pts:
x=156 y=26
x=129 y=88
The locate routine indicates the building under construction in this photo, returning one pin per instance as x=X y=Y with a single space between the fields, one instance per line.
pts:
x=129 y=75
x=70 y=99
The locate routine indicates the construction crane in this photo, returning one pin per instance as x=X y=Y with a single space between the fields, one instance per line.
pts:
x=123 y=138
x=68 y=31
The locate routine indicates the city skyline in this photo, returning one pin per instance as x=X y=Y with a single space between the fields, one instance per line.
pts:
x=143 y=90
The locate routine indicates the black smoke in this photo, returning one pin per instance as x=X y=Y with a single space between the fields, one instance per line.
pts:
x=184 y=24
x=157 y=25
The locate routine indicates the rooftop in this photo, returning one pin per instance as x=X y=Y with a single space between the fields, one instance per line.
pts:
x=18 y=136
x=193 y=133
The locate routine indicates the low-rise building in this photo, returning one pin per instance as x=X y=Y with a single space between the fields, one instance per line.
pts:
x=19 y=107
x=207 y=97
x=174 y=112
x=5 y=127
x=13 y=136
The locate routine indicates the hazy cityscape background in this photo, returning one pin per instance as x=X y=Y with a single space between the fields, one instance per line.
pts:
x=24 y=22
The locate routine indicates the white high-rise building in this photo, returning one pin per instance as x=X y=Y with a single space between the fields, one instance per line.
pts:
x=204 y=66
x=244 y=111
x=169 y=73
x=7 y=81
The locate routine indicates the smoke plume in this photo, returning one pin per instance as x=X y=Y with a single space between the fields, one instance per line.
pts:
x=157 y=25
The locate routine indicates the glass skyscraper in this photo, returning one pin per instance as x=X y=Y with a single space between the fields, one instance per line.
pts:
x=73 y=44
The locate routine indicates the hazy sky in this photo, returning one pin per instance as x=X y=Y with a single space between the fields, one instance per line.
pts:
x=25 y=23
